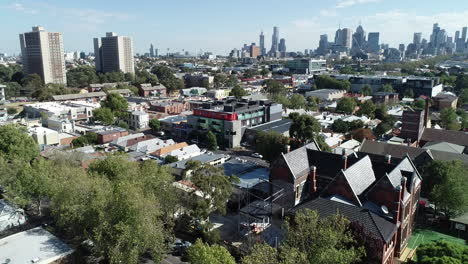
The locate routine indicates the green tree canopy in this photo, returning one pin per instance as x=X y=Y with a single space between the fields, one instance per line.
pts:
x=304 y=127
x=16 y=144
x=201 y=253
x=238 y=92
x=340 y=126
x=297 y=101
x=327 y=240
x=366 y=90
x=327 y=82
x=387 y=88
x=367 y=108
x=419 y=104
x=104 y=115
x=346 y=105
x=211 y=141
x=82 y=76
x=170 y=159
x=442 y=252
x=167 y=78
x=409 y=93
x=447 y=177
x=271 y=144
x=155 y=125
x=273 y=87
x=449 y=117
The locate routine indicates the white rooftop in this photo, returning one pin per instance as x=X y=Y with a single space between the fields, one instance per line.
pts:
x=32 y=246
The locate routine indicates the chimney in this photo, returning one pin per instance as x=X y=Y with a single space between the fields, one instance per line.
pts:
x=345 y=162
x=397 y=203
x=403 y=187
x=426 y=113
x=388 y=157
x=313 y=179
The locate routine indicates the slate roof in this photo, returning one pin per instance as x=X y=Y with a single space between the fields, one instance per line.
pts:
x=378 y=226
x=455 y=137
x=360 y=175
x=448 y=156
x=397 y=151
x=298 y=160
x=152 y=88
x=444 y=146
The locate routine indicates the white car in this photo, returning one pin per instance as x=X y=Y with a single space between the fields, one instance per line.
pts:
x=257 y=155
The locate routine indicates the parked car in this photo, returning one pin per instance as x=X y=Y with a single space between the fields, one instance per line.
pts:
x=180 y=247
x=257 y=155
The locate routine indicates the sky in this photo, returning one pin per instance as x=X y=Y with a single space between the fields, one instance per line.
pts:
x=220 y=25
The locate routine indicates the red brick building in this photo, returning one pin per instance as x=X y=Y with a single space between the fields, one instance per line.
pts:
x=107 y=136
x=146 y=90
x=358 y=187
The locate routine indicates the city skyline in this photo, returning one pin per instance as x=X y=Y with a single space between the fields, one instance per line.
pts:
x=79 y=24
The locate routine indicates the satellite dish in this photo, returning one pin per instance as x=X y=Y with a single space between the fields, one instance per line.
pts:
x=384 y=209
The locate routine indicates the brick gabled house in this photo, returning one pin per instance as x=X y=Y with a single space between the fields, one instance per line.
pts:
x=388 y=192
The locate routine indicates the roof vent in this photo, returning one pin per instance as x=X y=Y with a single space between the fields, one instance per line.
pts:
x=384 y=209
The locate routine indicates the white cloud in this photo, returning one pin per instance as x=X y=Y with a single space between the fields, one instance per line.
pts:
x=349 y=3
x=328 y=13
x=21 y=8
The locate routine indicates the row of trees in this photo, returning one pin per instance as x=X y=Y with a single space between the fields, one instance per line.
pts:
x=124 y=208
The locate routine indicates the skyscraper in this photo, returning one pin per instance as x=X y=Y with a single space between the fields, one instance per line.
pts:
x=359 y=40
x=43 y=54
x=114 y=53
x=346 y=37
x=338 y=37
x=323 y=45
x=282 y=46
x=464 y=33
x=262 y=44
x=417 y=37
x=151 y=50
x=274 y=41
x=373 y=42
x=254 y=51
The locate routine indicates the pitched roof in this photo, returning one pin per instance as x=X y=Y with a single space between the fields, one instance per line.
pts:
x=450 y=136
x=376 y=225
x=444 y=146
x=298 y=161
x=397 y=151
x=360 y=175
x=152 y=88
x=165 y=150
x=65 y=97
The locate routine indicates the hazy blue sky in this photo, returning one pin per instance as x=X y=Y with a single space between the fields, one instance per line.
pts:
x=220 y=25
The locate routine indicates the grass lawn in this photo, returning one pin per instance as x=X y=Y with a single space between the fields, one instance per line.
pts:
x=424 y=236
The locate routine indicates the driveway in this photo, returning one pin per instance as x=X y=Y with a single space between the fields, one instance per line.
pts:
x=173 y=260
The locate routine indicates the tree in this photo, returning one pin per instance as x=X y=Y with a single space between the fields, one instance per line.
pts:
x=409 y=93
x=271 y=144
x=463 y=96
x=382 y=129
x=262 y=253
x=89 y=139
x=419 y=104
x=340 y=126
x=461 y=82
x=304 y=128
x=238 y=92
x=117 y=104
x=104 y=115
x=281 y=99
x=219 y=80
x=123 y=124
x=387 y=88
x=441 y=252
x=16 y=144
x=13 y=89
x=231 y=81
x=346 y=105
x=446 y=177
x=449 y=117
x=170 y=159
x=367 y=108
x=211 y=141
x=273 y=87
x=201 y=253
x=327 y=82
x=249 y=73
x=366 y=90
x=215 y=187
x=82 y=76
x=167 y=78
x=297 y=101
x=155 y=125
x=327 y=240
x=12 y=111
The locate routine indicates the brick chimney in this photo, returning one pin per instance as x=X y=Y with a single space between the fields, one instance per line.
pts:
x=397 y=203
x=388 y=158
x=403 y=186
x=313 y=179
x=345 y=162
